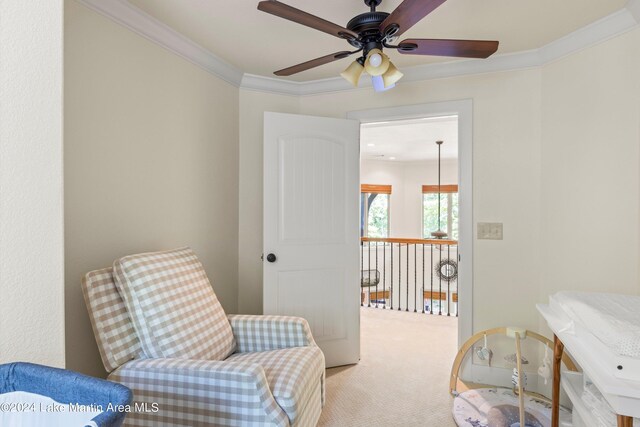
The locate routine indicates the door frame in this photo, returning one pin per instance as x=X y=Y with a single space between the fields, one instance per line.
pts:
x=464 y=110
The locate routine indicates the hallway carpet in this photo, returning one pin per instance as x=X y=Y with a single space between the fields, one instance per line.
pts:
x=403 y=375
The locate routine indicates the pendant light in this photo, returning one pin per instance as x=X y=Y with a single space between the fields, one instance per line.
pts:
x=439 y=234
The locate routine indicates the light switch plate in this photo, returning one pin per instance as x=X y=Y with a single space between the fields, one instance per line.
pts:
x=489 y=231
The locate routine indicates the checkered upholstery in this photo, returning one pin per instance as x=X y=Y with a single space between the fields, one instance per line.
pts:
x=172 y=305
x=262 y=333
x=272 y=388
x=311 y=414
x=117 y=340
x=292 y=374
x=275 y=378
x=200 y=393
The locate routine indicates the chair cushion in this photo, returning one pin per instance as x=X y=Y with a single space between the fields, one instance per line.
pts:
x=173 y=307
x=292 y=373
x=116 y=338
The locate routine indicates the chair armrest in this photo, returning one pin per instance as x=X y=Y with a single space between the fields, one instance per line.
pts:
x=199 y=392
x=263 y=333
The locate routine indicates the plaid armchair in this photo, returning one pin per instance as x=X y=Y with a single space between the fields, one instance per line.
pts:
x=275 y=377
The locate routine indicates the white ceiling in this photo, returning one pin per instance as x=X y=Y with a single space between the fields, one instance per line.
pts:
x=259 y=43
x=410 y=140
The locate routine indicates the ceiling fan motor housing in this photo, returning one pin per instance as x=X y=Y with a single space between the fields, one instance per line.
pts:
x=367 y=25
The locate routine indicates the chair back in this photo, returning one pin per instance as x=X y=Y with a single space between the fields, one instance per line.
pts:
x=116 y=338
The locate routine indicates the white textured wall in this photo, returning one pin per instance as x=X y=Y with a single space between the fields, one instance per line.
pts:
x=31 y=224
x=151 y=163
x=407 y=179
x=591 y=169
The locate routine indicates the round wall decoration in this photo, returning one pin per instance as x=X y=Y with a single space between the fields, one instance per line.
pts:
x=447 y=269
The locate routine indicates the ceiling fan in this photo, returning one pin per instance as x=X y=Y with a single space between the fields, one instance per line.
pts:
x=371 y=32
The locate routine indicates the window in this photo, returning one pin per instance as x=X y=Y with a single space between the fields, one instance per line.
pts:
x=448 y=210
x=374 y=210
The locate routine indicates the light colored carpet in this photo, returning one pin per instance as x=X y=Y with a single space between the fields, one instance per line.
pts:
x=403 y=375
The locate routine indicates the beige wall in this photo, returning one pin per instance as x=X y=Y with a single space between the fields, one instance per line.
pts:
x=151 y=162
x=31 y=208
x=590 y=169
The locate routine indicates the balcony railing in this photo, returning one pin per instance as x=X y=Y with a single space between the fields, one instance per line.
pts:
x=419 y=275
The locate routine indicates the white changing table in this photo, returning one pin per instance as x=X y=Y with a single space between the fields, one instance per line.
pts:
x=623 y=395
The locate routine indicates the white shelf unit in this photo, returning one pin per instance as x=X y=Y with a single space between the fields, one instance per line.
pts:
x=591 y=355
x=573 y=385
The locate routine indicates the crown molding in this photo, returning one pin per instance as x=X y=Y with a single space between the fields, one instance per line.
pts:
x=633 y=6
x=140 y=22
x=133 y=18
x=599 y=31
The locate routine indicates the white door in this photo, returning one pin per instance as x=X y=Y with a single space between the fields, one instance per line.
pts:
x=311 y=234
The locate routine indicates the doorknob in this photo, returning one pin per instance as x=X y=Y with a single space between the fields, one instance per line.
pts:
x=271 y=258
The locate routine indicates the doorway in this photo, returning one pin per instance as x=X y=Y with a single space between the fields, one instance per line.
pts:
x=403 y=267
x=402 y=205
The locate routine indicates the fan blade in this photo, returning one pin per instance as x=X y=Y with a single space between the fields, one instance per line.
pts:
x=409 y=13
x=442 y=47
x=312 y=64
x=296 y=15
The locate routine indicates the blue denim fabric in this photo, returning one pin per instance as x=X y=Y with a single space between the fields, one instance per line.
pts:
x=65 y=386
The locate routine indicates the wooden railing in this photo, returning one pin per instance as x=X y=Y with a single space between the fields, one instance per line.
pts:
x=409 y=274
x=409 y=241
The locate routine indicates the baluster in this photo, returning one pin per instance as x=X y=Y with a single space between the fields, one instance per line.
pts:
x=369 y=271
x=384 y=274
x=440 y=283
x=399 y=275
x=391 y=275
x=431 y=269
x=407 y=307
x=422 y=293
x=376 y=276
x=449 y=284
x=415 y=277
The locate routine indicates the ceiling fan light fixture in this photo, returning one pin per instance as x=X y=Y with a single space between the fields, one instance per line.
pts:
x=378 y=84
x=392 y=76
x=377 y=63
x=375 y=60
x=353 y=72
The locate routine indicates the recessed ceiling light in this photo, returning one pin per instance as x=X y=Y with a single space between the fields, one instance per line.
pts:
x=392 y=158
x=371 y=145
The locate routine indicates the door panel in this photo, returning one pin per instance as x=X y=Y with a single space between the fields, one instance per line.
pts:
x=312 y=172
x=311 y=208
x=297 y=295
